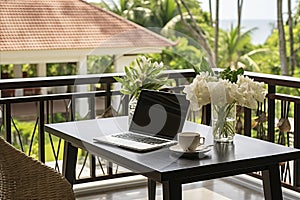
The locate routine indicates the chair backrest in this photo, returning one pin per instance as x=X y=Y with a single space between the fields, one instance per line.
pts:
x=22 y=177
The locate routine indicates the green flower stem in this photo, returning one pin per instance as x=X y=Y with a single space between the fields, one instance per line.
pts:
x=222 y=125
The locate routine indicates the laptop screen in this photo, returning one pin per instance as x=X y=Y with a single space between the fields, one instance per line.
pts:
x=159 y=114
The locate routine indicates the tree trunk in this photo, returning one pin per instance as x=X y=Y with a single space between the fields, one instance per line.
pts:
x=239 y=6
x=281 y=36
x=291 y=34
x=216 y=31
x=210 y=14
x=197 y=33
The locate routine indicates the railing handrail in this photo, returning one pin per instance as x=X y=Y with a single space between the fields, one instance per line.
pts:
x=16 y=83
x=22 y=99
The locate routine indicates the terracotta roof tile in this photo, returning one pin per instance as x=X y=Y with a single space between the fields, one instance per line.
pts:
x=68 y=24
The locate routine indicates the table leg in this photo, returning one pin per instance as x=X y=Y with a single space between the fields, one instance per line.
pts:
x=172 y=190
x=69 y=162
x=151 y=189
x=272 y=183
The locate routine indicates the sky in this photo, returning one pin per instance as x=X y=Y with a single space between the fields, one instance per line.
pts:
x=252 y=9
x=259 y=14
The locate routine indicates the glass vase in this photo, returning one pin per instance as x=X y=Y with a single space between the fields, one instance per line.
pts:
x=131 y=108
x=224 y=122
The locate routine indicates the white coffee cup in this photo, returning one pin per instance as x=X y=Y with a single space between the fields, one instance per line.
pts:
x=189 y=141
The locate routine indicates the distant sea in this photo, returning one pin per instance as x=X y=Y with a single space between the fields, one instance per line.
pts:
x=263 y=28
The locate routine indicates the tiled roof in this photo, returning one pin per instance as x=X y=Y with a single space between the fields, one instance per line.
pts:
x=68 y=24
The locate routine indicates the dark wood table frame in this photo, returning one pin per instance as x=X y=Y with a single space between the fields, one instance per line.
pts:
x=245 y=155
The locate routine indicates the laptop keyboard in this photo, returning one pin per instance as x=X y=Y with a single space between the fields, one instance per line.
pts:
x=139 y=138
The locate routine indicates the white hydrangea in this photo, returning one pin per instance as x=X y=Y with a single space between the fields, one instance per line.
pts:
x=217 y=92
x=205 y=88
x=230 y=91
x=197 y=92
x=251 y=91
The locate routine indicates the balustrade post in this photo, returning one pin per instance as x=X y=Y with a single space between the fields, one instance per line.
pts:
x=271 y=114
x=125 y=103
x=93 y=116
x=7 y=121
x=247 y=122
x=41 y=114
x=107 y=104
x=73 y=109
x=206 y=115
x=92 y=107
x=108 y=95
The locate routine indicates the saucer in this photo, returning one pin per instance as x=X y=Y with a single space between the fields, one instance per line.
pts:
x=199 y=152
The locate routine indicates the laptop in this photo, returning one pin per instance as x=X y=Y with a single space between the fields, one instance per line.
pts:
x=157 y=119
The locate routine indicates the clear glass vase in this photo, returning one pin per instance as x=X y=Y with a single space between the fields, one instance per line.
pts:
x=224 y=122
x=131 y=108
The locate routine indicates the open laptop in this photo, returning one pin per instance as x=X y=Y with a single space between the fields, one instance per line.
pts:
x=157 y=119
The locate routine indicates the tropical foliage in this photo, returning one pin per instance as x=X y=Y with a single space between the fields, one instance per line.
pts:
x=144 y=75
x=236 y=50
x=235 y=47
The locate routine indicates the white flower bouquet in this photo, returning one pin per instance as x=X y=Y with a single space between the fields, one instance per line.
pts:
x=224 y=91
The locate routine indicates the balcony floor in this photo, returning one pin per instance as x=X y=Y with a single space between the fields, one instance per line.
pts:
x=217 y=189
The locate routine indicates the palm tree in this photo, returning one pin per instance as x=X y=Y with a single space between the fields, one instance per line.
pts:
x=296 y=20
x=152 y=13
x=210 y=12
x=291 y=34
x=232 y=51
x=239 y=6
x=122 y=8
x=196 y=31
x=216 y=42
x=134 y=10
x=163 y=11
x=281 y=37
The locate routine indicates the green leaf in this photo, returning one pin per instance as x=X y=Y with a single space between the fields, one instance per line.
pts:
x=204 y=67
x=119 y=79
x=144 y=75
x=240 y=71
x=196 y=69
x=231 y=75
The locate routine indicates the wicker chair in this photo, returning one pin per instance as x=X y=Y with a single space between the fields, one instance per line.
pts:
x=22 y=177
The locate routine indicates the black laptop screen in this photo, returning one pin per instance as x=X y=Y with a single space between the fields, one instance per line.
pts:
x=159 y=113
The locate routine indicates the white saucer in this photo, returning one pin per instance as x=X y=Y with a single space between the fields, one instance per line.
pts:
x=199 y=152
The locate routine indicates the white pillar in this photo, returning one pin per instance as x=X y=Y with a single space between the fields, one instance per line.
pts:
x=42 y=72
x=121 y=61
x=18 y=71
x=18 y=74
x=82 y=103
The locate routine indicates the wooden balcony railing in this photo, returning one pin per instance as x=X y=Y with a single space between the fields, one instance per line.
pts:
x=99 y=91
